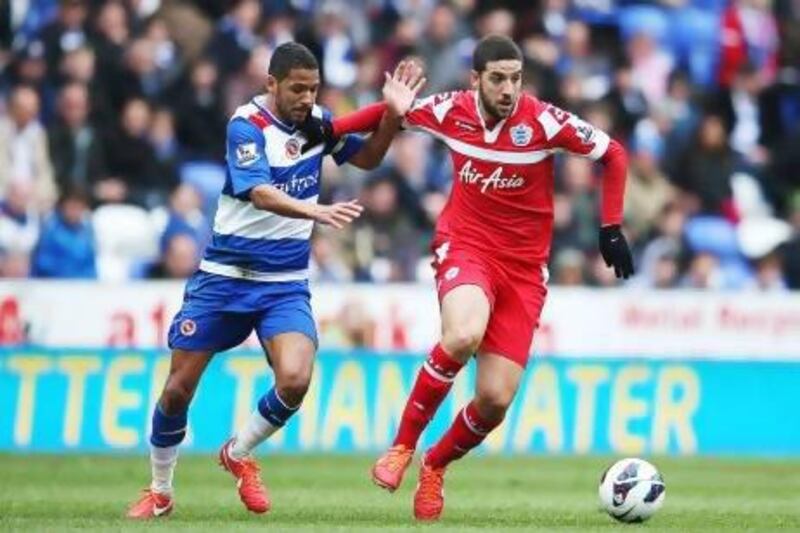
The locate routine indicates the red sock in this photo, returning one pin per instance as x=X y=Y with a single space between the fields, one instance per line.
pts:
x=468 y=430
x=433 y=383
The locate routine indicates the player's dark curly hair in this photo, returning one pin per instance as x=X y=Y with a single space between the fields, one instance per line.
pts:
x=494 y=48
x=288 y=56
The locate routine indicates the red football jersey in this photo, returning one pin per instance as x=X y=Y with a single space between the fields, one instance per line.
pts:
x=501 y=204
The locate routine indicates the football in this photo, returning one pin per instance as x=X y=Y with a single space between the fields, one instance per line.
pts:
x=632 y=490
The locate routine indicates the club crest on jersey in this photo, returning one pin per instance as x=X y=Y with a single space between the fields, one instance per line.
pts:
x=188 y=327
x=292 y=148
x=521 y=134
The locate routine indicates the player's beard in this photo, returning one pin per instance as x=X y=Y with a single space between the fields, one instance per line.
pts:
x=493 y=110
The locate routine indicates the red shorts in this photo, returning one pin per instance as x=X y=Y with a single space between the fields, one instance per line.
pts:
x=516 y=297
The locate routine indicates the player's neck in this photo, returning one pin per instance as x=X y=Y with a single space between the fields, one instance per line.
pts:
x=269 y=104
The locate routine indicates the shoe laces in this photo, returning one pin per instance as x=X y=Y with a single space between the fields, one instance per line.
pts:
x=397 y=457
x=250 y=472
x=430 y=482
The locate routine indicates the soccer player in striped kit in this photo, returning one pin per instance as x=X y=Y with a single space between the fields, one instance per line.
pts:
x=254 y=273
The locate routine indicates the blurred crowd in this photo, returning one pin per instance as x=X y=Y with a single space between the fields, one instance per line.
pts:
x=113 y=113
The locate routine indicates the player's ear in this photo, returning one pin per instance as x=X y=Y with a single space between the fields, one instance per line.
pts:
x=474 y=78
x=272 y=84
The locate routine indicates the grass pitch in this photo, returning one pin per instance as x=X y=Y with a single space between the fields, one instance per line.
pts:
x=333 y=493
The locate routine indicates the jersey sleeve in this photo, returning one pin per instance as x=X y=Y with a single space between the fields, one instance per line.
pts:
x=569 y=133
x=427 y=114
x=246 y=157
x=345 y=147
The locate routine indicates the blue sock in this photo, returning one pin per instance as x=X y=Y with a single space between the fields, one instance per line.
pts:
x=274 y=410
x=167 y=430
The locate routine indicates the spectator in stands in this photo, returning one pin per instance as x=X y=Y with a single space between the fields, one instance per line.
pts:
x=235 y=36
x=66 y=247
x=338 y=50
x=386 y=245
x=705 y=171
x=76 y=146
x=248 y=82
x=444 y=58
x=132 y=161
x=200 y=113
x=163 y=139
x=29 y=68
x=19 y=227
x=110 y=39
x=769 y=273
x=179 y=260
x=328 y=259
x=80 y=66
x=68 y=32
x=569 y=267
x=185 y=217
x=740 y=107
x=24 y=153
x=647 y=191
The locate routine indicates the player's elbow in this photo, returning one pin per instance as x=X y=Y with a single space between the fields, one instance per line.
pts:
x=263 y=197
x=615 y=154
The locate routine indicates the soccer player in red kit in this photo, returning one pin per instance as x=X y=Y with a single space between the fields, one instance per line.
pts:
x=491 y=247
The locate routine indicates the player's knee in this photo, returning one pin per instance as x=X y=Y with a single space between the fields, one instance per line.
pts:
x=176 y=396
x=462 y=341
x=293 y=385
x=492 y=404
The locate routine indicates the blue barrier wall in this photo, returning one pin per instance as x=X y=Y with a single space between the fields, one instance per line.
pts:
x=101 y=400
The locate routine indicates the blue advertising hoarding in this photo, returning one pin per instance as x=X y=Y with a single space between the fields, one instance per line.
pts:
x=101 y=401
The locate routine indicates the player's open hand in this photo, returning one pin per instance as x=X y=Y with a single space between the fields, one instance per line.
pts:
x=615 y=251
x=339 y=214
x=401 y=88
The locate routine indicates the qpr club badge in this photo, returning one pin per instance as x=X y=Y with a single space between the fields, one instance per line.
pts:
x=521 y=134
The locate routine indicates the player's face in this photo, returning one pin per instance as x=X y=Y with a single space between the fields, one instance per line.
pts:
x=295 y=94
x=499 y=86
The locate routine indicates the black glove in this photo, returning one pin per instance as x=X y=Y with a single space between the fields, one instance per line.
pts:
x=615 y=251
x=316 y=131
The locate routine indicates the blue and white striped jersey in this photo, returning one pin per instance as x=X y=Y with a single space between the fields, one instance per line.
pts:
x=248 y=243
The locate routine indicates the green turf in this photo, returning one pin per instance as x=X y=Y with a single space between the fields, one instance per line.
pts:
x=333 y=493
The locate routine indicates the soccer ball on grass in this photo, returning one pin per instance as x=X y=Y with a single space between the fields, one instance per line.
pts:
x=632 y=490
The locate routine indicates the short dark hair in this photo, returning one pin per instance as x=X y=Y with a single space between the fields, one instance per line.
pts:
x=288 y=56
x=494 y=48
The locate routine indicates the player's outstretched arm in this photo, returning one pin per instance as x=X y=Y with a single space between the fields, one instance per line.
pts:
x=399 y=91
x=568 y=132
x=272 y=199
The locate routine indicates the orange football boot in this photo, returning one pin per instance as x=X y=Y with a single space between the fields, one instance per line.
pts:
x=248 y=479
x=151 y=505
x=390 y=467
x=429 y=496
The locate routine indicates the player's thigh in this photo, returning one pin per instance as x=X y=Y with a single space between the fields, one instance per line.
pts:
x=289 y=334
x=515 y=317
x=291 y=355
x=498 y=379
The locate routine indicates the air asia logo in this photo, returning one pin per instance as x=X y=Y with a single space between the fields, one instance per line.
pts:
x=495 y=180
x=521 y=134
x=292 y=148
x=188 y=327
